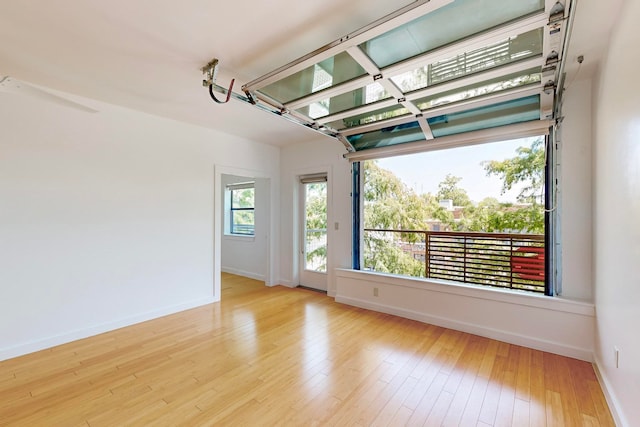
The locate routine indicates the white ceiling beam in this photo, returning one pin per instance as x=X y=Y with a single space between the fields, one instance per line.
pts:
x=391 y=88
x=413 y=109
x=426 y=129
x=363 y=59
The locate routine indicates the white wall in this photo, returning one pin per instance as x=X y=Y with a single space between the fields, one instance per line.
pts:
x=575 y=192
x=617 y=216
x=247 y=255
x=516 y=318
x=105 y=219
x=550 y=324
x=321 y=155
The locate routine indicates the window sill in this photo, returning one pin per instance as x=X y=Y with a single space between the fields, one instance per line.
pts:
x=239 y=237
x=509 y=296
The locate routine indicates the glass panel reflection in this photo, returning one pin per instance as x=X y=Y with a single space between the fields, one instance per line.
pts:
x=486 y=87
x=332 y=71
x=392 y=135
x=500 y=114
x=444 y=26
x=370 y=117
x=524 y=46
x=368 y=95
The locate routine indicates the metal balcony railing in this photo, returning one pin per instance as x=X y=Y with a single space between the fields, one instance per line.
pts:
x=513 y=261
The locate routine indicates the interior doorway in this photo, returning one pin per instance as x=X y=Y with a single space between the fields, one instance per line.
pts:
x=313 y=221
x=243 y=230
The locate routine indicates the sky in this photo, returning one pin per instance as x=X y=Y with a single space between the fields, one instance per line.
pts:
x=423 y=172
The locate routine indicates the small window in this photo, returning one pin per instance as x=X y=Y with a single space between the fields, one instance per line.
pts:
x=241 y=218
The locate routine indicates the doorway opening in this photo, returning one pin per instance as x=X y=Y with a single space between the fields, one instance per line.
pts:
x=313 y=221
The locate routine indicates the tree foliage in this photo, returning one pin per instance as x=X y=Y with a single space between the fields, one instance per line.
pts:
x=527 y=168
x=316 y=225
x=391 y=204
x=449 y=190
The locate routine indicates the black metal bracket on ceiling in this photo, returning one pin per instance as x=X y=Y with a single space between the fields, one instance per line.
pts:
x=211 y=71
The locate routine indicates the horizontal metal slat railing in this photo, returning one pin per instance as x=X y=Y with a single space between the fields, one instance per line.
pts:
x=514 y=261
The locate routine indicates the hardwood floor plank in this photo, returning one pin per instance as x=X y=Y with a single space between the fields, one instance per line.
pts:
x=390 y=410
x=440 y=409
x=538 y=397
x=468 y=367
x=604 y=415
x=421 y=413
x=506 y=402
x=492 y=396
x=471 y=413
x=523 y=377
x=555 y=412
x=521 y=413
x=280 y=356
x=401 y=417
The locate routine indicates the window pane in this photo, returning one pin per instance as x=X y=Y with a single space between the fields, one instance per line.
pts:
x=444 y=26
x=478 y=89
x=371 y=117
x=315 y=227
x=242 y=198
x=524 y=46
x=392 y=135
x=469 y=214
x=367 y=95
x=501 y=114
x=243 y=222
x=332 y=71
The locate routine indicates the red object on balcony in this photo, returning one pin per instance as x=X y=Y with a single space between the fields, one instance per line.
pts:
x=527 y=263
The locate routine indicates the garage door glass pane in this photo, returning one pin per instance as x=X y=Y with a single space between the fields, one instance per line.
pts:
x=332 y=71
x=346 y=101
x=444 y=26
x=501 y=114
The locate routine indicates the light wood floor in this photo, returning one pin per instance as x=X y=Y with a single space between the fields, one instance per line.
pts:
x=279 y=356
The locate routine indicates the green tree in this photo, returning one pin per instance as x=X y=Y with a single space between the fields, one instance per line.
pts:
x=526 y=168
x=390 y=204
x=449 y=190
x=492 y=216
x=316 y=225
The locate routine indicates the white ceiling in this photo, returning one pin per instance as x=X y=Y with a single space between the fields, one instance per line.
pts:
x=147 y=54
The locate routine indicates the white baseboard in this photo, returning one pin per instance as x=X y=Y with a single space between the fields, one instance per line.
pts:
x=243 y=273
x=287 y=283
x=41 y=344
x=500 y=335
x=609 y=395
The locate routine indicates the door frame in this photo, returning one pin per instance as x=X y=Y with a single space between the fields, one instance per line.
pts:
x=298 y=225
x=311 y=278
x=218 y=223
